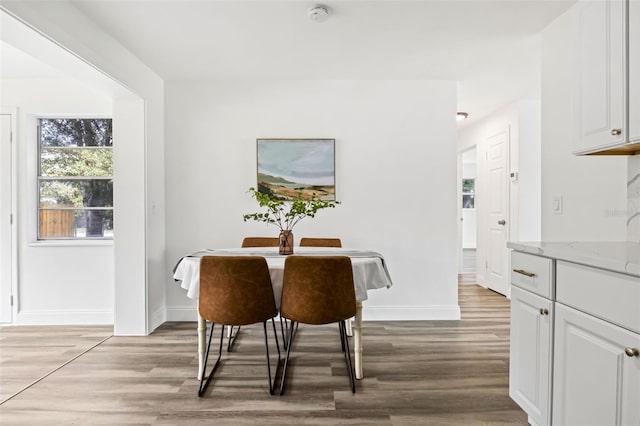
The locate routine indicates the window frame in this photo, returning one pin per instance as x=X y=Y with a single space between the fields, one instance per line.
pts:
x=473 y=193
x=63 y=240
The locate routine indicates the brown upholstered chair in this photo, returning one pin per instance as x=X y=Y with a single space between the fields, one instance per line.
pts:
x=261 y=242
x=318 y=290
x=236 y=291
x=325 y=242
x=320 y=242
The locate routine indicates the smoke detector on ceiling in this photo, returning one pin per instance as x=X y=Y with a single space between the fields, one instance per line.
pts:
x=318 y=13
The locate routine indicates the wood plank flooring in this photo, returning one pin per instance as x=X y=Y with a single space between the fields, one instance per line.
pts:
x=416 y=373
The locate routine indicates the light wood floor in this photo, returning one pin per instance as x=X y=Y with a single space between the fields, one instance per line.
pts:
x=416 y=373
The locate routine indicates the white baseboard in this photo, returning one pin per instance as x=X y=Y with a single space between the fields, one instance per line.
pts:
x=157 y=318
x=369 y=313
x=182 y=313
x=411 y=313
x=64 y=318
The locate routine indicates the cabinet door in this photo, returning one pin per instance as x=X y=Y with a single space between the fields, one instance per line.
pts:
x=601 y=83
x=634 y=71
x=594 y=381
x=530 y=354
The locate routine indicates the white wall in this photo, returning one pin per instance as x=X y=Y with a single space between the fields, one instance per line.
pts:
x=139 y=254
x=395 y=177
x=529 y=183
x=59 y=282
x=593 y=188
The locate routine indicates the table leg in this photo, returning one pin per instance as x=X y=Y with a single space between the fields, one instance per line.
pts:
x=349 y=325
x=202 y=333
x=357 y=340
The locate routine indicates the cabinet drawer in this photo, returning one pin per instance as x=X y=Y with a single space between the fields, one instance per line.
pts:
x=607 y=295
x=532 y=273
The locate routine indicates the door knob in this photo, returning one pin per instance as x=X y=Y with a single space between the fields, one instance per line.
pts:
x=544 y=311
x=616 y=132
x=502 y=222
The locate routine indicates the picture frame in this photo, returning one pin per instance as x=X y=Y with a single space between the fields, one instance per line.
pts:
x=288 y=167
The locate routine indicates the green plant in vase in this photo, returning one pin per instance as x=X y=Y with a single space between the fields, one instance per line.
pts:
x=286 y=214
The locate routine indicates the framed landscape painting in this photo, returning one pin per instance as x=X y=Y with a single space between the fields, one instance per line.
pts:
x=287 y=167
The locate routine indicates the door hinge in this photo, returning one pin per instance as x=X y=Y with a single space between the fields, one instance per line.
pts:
x=486 y=264
x=12 y=300
x=10 y=218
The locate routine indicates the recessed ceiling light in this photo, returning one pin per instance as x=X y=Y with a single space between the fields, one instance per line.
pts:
x=318 y=13
x=461 y=116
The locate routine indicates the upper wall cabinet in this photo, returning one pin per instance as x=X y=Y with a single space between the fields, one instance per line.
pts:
x=634 y=71
x=606 y=101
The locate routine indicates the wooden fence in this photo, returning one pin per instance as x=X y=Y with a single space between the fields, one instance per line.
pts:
x=56 y=223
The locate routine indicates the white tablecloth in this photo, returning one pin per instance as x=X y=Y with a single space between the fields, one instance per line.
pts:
x=368 y=272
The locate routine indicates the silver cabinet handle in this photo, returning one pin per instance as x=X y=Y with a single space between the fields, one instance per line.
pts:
x=616 y=132
x=544 y=311
x=502 y=222
x=631 y=352
x=525 y=273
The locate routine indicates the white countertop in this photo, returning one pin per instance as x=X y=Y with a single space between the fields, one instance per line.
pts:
x=620 y=256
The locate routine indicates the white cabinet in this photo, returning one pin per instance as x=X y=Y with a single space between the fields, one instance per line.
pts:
x=634 y=68
x=531 y=339
x=531 y=348
x=603 y=116
x=575 y=342
x=596 y=372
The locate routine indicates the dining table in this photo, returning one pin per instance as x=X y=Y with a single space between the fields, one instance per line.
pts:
x=369 y=273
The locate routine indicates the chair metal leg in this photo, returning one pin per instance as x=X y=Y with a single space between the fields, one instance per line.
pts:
x=275 y=333
x=232 y=337
x=284 y=328
x=266 y=345
x=341 y=336
x=347 y=355
x=204 y=383
x=286 y=360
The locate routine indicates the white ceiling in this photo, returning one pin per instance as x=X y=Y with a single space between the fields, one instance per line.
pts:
x=490 y=47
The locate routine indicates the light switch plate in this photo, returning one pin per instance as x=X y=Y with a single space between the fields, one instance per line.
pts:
x=556 y=204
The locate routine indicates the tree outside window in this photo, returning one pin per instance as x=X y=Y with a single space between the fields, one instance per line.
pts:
x=468 y=193
x=75 y=179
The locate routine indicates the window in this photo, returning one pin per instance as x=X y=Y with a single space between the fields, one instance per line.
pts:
x=468 y=193
x=75 y=179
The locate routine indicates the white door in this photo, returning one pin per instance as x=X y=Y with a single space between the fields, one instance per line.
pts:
x=496 y=204
x=6 y=237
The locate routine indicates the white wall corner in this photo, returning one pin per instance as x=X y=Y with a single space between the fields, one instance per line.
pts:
x=158 y=317
x=129 y=191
